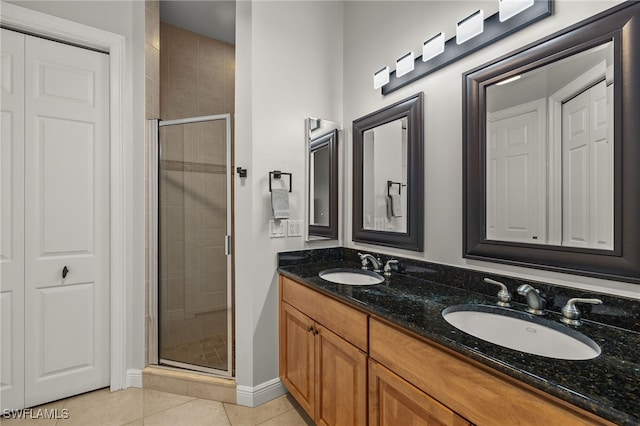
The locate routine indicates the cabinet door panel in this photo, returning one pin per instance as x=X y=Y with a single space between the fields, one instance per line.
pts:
x=341 y=385
x=347 y=322
x=297 y=356
x=394 y=401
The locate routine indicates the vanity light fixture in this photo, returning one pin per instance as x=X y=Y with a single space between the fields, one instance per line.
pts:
x=433 y=47
x=510 y=8
x=470 y=27
x=405 y=64
x=509 y=80
x=380 y=78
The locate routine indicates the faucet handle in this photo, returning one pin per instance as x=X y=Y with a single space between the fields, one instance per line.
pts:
x=571 y=314
x=504 y=297
x=387 y=266
x=363 y=260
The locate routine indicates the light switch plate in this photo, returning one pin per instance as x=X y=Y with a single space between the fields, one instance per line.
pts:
x=294 y=228
x=277 y=228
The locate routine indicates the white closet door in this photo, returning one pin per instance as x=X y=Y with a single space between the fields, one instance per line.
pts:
x=587 y=204
x=67 y=221
x=12 y=222
x=516 y=174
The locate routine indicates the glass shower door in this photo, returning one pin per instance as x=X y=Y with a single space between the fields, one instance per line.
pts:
x=194 y=275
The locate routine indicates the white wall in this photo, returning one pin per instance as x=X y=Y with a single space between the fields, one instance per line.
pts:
x=289 y=67
x=375 y=35
x=125 y=18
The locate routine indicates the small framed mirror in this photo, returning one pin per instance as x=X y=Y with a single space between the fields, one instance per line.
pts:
x=322 y=175
x=550 y=152
x=388 y=176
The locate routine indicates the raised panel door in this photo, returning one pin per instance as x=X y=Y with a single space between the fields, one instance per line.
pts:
x=12 y=221
x=67 y=215
x=394 y=401
x=297 y=357
x=341 y=381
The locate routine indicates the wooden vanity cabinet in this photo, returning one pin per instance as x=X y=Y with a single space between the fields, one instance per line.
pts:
x=393 y=401
x=472 y=390
x=330 y=350
x=324 y=372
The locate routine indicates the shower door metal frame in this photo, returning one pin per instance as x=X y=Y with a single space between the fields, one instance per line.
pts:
x=153 y=227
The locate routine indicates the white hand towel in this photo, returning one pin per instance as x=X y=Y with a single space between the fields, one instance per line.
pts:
x=395 y=200
x=280 y=203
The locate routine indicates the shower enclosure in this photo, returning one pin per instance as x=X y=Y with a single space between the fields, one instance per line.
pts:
x=192 y=304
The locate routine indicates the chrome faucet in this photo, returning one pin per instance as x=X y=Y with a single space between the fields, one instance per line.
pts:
x=376 y=263
x=537 y=304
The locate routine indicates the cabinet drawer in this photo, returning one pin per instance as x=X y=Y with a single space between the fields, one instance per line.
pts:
x=346 y=322
x=478 y=393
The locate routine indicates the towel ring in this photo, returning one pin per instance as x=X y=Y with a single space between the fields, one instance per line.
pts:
x=277 y=174
x=391 y=183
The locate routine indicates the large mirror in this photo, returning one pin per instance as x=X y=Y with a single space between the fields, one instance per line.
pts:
x=322 y=178
x=388 y=187
x=551 y=152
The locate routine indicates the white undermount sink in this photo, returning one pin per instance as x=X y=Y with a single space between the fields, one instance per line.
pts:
x=522 y=332
x=351 y=276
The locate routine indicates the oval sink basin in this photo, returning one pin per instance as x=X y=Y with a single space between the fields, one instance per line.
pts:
x=351 y=276
x=522 y=332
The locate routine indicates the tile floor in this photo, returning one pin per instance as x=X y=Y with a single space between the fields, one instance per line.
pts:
x=137 y=407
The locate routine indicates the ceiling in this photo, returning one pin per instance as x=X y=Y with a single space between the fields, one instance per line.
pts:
x=212 y=18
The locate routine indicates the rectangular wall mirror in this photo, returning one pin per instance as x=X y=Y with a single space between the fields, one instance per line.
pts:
x=322 y=178
x=388 y=176
x=550 y=152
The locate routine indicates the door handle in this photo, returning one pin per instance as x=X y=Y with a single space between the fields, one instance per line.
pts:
x=65 y=271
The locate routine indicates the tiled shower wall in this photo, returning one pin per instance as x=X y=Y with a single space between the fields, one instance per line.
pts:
x=197 y=74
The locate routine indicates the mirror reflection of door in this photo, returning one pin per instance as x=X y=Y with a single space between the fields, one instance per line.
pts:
x=385 y=177
x=549 y=159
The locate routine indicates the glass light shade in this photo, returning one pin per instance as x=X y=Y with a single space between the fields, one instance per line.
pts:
x=405 y=64
x=381 y=78
x=433 y=47
x=510 y=8
x=470 y=27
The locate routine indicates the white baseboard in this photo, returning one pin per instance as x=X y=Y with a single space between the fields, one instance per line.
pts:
x=134 y=378
x=257 y=395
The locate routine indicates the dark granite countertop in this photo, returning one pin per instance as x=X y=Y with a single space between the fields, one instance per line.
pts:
x=608 y=385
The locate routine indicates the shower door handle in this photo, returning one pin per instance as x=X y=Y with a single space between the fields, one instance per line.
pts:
x=227 y=245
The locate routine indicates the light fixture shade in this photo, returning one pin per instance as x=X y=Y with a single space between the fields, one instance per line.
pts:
x=470 y=27
x=510 y=8
x=433 y=47
x=381 y=78
x=405 y=64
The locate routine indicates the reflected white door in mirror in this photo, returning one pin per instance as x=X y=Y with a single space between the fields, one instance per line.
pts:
x=549 y=153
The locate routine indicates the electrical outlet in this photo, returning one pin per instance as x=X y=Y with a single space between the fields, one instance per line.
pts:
x=277 y=228
x=294 y=228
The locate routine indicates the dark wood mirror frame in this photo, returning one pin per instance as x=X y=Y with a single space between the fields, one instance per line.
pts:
x=329 y=140
x=622 y=25
x=411 y=108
